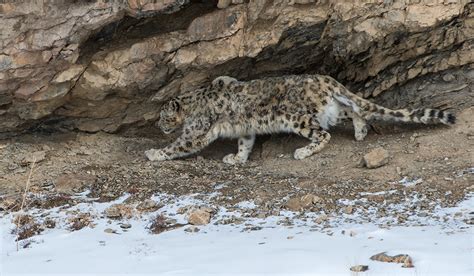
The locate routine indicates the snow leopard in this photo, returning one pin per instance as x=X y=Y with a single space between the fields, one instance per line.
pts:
x=307 y=105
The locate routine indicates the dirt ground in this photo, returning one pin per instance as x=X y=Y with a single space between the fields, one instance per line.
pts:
x=435 y=161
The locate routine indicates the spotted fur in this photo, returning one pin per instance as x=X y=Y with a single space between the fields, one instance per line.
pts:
x=307 y=105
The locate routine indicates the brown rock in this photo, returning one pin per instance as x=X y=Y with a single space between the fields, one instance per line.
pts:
x=148 y=205
x=349 y=209
x=80 y=221
x=401 y=259
x=118 y=211
x=294 y=204
x=29 y=88
x=51 y=92
x=199 y=216
x=70 y=45
x=376 y=158
x=299 y=203
x=310 y=199
x=69 y=74
x=222 y=4
x=34 y=157
x=73 y=183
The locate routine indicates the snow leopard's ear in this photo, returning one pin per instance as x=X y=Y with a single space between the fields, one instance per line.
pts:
x=175 y=105
x=172 y=106
x=222 y=81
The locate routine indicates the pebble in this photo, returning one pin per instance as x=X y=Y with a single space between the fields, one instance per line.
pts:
x=192 y=229
x=110 y=231
x=125 y=226
x=359 y=268
x=399 y=170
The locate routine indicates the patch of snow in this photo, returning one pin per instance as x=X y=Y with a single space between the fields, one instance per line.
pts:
x=246 y=205
x=260 y=246
x=410 y=183
x=378 y=193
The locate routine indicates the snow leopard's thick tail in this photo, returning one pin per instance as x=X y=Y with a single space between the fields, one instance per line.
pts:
x=368 y=110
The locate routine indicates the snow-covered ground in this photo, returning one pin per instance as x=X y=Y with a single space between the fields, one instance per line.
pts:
x=255 y=247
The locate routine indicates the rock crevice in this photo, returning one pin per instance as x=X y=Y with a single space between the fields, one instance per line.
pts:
x=106 y=65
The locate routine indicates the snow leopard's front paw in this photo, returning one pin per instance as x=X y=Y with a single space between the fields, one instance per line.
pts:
x=156 y=155
x=233 y=159
x=360 y=133
x=302 y=153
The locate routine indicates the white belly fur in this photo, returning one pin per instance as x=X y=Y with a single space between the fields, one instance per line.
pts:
x=329 y=117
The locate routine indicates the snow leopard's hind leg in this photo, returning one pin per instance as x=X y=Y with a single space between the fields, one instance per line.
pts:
x=359 y=123
x=308 y=127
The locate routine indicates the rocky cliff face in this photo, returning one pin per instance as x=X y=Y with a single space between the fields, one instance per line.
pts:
x=106 y=65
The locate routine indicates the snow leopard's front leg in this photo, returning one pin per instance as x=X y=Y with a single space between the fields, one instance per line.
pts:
x=183 y=146
x=245 y=148
x=195 y=137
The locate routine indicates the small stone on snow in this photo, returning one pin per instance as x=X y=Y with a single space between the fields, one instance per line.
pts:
x=359 y=268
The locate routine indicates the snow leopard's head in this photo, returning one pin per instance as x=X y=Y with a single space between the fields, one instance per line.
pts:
x=223 y=81
x=171 y=116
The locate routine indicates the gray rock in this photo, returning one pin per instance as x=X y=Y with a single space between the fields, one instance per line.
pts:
x=125 y=226
x=448 y=77
x=110 y=231
x=192 y=229
x=359 y=268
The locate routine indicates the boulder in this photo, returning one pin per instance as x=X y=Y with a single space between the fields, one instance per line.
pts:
x=63 y=60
